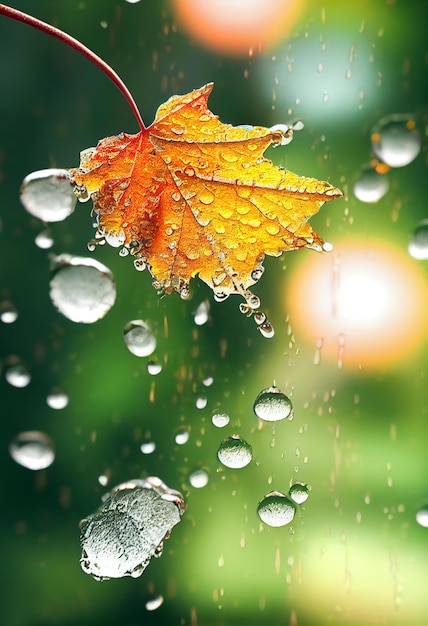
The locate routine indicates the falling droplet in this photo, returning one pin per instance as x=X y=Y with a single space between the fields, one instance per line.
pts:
x=48 y=195
x=201 y=401
x=182 y=436
x=276 y=509
x=299 y=492
x=154 y=603
x=18 y=376
x=220 y=419
x=32 y=449
x=235 y=452
x=199 y=479
x=148 y=447
x=201 y=314
x=8 y=313
x=371 y=186
x=44 y=239
x=115 y=239
x=422 y=516
x=154 y=368
x=57 y=400
x=139 y=338
x=81 y=288
x=271 y=405
x=396 y=140
x=418 y=245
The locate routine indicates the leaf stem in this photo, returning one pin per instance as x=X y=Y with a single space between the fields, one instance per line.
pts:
x=19 y=16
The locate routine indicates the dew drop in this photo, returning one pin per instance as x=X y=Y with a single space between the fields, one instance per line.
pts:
x=154 y=368
x=396 y=140
x=220 y=419
x=418 y=245
x=44 y=239
x=82 y=289
x=18 y=376
x=276 y=509
x=206 y=197
x=422 y=517
x=8 y=312
x=57 y=400
x=48 y=195
x=139 y=338
x=271 y=405
x=199 y=479
x=32 y=449
x=235 y=452
x=299 y=492
x=201 y=314
x=371 y=186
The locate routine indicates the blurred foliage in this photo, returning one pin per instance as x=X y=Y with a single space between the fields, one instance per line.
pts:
x=356 y=555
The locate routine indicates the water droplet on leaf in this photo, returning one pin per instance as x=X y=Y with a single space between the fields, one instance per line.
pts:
x=32 y=449
x=201 y=314
x=276 y=509
x=139 y=338
x=271 y=405
x=48 y=194
x=235 y=452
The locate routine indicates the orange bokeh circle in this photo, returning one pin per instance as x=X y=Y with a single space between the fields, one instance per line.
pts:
x=364 y=303
x=237 y=26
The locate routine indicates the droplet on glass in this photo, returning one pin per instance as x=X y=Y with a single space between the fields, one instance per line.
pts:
x=139 y=338
x=371 y=186
x=81 y=288
x=48 y=194
x=299 y=492
x=44 y=239
x=418 y=245
x=396 y=140
x=235 y=452
x=271 y=405
x=154 y=368
x=18 y=376
x=8 y=312
x=32 y=449
x=154 y=603
x=422 y=516
x=199 y=479
x=57 y=400
x=276 y=509
x=220 y=419
x=201 y=314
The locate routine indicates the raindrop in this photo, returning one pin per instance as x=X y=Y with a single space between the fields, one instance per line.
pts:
x=139 y=338
x=276 y=509
x=271 y=405
x=148 y=447
x=57 y=400
x=154 y=368
x=201 y=401
x=182 y=436
x=199 y=479
x=44 y=239
x=396 y=140
x=18 y=376
x=234 y=452
x=8 y=313
x=418 y=245
x=48 y=194
x=299 y=492
x=32 y=449
x=220 y=419
x=422 y=517
x=201 y=314
x=81 y=288
x=371 y=186
x=155 y=603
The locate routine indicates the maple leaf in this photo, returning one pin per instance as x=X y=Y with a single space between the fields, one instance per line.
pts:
x=191 y=196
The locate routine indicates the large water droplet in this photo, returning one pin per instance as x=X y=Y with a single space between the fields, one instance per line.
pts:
x=299 y=492
x=32 y=449
x=371 y=186
x=48 y=194
x=182 y=436
x=396 y=140
x=235 y=452
x=139 y=338
x=276 y=509
x=418 y=245
x=271 y=405
x=199 y=479
x=220 y=419
x=18 y=376
x=81 y=288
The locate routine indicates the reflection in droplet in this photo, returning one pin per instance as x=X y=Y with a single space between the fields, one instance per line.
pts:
x=202 y=313
x=57 y=400
x=18 y=376
x=48 y=195
x=299 y=492
x=396 y=140
x=155 y=603
x=276 y=509
x=139 y=338
x=8 y=313
x=44 y=239
x=418 y=245
x=220 y=419
x=154 y=368
x=235 y=452
x=148 y=447
x=81 y=288
x=422 y=516
x=199 y=479
x=32 y=449
x=371 y=186
x=271 y=405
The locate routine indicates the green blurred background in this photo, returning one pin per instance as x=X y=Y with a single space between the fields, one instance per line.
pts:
x=355 y=554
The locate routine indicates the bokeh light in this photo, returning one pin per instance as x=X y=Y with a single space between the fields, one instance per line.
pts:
x=363 y=304
x=238 y=26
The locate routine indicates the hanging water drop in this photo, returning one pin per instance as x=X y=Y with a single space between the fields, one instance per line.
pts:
x=235 y=452
x=48 y=195
x=276 y=509
x=32 y=449
x=154 y=368
x=139 y=338
x=271 y=405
